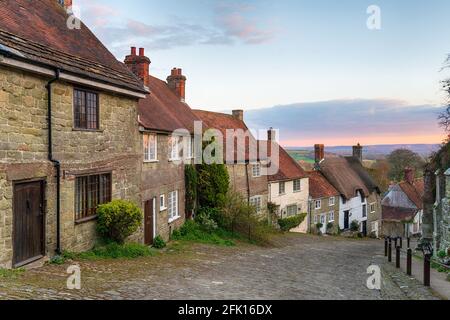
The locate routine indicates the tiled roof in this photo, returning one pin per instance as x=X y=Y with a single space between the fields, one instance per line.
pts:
x=414 y=191
x=319 y=187
x=397 y=214
x=288 y=168
x=37 y=32
x=224 y=122
x=348 y=176
x=162 y=110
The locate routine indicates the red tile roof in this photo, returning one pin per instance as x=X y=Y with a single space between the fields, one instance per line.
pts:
x=394 y=214
x=37 y=32
x=162 y=110
x=224 y=122
x=288 y=168
x=319 y=187
x=414 y=191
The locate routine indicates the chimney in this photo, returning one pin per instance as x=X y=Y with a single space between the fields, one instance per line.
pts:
x=177 y=83
x=358 y=152
x=410 y=175
x=139 y=65
x=271 y=135
x=319 y=152
x=238 y=114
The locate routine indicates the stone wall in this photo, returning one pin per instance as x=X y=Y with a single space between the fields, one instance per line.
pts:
x=374 y=218
x=114 y=148
x=325 y=209
x=160 y=178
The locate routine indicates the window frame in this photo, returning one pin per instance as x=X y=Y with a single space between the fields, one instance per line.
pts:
x=77 y=122
x=290 y=207
x=81 y=200
x=374 y=207
x=162 y=198
x=258 y=204
x=332 y=201
x=147 y=153
x=256 y=170
x=282 y=183
x=364 y=210
x=318 y=207
x=299 y=181
x=174 y=147
x=189 y=145
x=331 y=216
x=173 y=214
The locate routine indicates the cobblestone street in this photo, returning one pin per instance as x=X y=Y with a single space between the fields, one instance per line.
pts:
x=297 y=267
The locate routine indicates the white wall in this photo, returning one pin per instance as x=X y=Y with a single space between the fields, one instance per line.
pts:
x=355 y=206
x=290 y=197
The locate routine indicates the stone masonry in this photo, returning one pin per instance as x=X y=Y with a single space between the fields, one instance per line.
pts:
x=113 y=148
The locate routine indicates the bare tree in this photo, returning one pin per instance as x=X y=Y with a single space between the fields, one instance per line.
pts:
x=444 y=117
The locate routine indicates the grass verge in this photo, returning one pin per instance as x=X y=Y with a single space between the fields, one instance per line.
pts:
x=11 y=274
x=192 y=232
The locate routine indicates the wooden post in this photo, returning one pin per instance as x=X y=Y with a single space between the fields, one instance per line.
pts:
x=385 y=246
x=409 y=242
x=397 y=257
x=390 y=251
x=401 y=242
x=427 y=270
x=409 y=262
x=396 y=240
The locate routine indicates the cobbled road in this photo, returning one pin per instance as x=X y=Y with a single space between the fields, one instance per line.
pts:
x=296 y=267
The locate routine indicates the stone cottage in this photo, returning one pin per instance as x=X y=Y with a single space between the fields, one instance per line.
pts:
x=289 y=186
x=324 y=204
x=360 y=198
x=68 y=132
x=166 y=125
x=402 y=207
x=246 y=168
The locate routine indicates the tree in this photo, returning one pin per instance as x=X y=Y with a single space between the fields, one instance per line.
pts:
x=191 y=183
x=380 y=174
x=444 y=117
x=402 y=158
x=213 y=185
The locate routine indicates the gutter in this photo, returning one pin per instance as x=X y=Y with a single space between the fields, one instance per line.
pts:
x=56 y=163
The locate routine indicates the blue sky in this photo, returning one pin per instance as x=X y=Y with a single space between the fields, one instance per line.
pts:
x=257 y=54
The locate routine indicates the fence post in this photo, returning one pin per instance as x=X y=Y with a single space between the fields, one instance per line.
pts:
x=396 y=240
x=427 y=270
x=401 y=242
x=390 y=250
x=409 y=263
x=385 y=246
x=409 y=242
x=397 y=257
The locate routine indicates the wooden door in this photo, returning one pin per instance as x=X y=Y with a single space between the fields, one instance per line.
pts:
x=346 y=220
x=28 y=235
x=364 y=228
x=149 y=212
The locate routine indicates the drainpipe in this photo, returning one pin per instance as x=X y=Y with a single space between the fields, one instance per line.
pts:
x=248 y=181
x=56 y=163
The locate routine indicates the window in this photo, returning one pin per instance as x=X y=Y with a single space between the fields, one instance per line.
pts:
x=297 y=185
x=373 y=208
x=150 y=147
x=91 y=191
x=318 y=204
x=364 y=210
x=331 y=216
x=172 y=206
x=189 y=145
x=316 y=219
x=282 y=188
x=174 y=148
x=292 y=210
x=162 y=202
x=332 y=201
x=85 y=105
x=323 y=219
x=256 y=170
x=257 y=203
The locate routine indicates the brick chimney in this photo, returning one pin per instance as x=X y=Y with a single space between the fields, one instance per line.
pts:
x=410 y=175
x=238 y=114
x=358 y=152
x=139 y=65
x=177 y=83
x=65 y=3
x=319 y=153
x=271 y=135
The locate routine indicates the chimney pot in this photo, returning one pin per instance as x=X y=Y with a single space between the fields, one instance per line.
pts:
x=319 y=152
x=141 y=52
x=177 y=83
x=271 y=135
x=139 y=65
x=133 y=51
x=238 y=114
x=358 y=152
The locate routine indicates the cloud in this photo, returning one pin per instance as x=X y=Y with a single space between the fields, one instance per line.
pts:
x=231 y=26
x=339 y=121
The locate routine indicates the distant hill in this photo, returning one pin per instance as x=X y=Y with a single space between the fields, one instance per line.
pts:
x=370 y=152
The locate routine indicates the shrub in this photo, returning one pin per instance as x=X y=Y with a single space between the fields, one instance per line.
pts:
x=159 y=243
x=291 y=222
x=354 y=226
x=213 y=185
x=442 y=254
x=330 y=226
x=113 y=250
x=192 y=231
x=191 y=187
x=118 y=220
x=206 y=221
x=319 y=226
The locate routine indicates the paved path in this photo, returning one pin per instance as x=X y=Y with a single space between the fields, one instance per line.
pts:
x=298 y=267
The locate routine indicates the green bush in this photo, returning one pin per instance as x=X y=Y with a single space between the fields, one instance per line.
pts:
x=191 y=178
x=118 y=220
x=354 y=226
x=192 y=231
x=442 y=254
x=205 y=219
x=330 y=226
x=291 y=222
x=159 y=243
x=213 y=185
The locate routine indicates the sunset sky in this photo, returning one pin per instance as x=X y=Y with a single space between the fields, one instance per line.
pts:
x=309 y=68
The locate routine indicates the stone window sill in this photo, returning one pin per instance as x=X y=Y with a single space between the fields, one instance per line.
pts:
x=151 y=161
x=87 y=219
x=162 y=209
x=88 y=130
x=174 y=219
